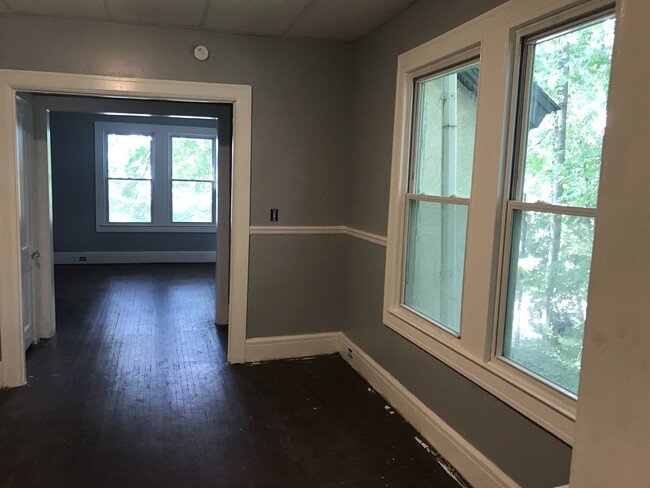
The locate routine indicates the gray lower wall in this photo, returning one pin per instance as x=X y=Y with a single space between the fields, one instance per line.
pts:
x=295 y=284
x=527 y=453
x=72 y=137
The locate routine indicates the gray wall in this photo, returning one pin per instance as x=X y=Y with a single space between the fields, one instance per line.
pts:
x=311 y=101
x=300 y=96
x=374 y=100
x=72 y=138
x=295 y=284
x=300 y=133
x=526 y=452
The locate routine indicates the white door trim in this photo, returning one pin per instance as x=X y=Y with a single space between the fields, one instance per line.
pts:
x=12 y=361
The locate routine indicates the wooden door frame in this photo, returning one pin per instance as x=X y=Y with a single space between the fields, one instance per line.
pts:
x=12 y=359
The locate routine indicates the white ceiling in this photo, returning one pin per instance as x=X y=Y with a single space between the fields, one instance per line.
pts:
x=339 y=20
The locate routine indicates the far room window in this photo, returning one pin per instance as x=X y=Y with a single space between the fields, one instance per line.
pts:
x=552 y=208
x=192 y=178
x=439 y=189
x=129 y=177
x=155 y=177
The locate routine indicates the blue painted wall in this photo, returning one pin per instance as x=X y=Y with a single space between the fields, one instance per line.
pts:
x=73 y=180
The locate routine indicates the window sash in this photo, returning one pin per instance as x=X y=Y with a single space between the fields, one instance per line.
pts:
x=451 y=202
x=456 y=64
x=508 y=287
x=526 y=40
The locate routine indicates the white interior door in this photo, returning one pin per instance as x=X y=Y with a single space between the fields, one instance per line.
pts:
x=28 y=254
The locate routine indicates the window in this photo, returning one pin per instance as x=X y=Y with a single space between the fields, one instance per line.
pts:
x=493 y=201
x=438 y=196
x=192 y=179
x=552 y=209
x=155 y=178
x=129 y=177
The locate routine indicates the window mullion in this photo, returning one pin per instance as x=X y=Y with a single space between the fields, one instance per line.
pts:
x=485 y=209
x=161 y=183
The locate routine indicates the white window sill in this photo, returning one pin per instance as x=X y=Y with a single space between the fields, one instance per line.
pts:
x=539 y=402
x=186 y=228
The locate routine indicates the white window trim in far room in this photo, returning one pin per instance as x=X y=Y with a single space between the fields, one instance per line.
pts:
x=472 y=353
x=161 y=176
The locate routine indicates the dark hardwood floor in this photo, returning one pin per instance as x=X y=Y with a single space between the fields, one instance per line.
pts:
x=134 y=391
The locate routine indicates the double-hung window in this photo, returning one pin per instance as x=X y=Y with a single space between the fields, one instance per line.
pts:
x=494 y=198
x=439 y=188
x=551 y=211
x=155 y=178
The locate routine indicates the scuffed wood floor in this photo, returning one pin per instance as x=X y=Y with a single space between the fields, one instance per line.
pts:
x=134 y=391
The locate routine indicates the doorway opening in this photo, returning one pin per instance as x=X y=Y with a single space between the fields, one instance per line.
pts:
x=12 y=296
x=132 y=181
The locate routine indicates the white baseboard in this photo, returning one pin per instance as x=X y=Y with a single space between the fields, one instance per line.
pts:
x=289 y=347
x=465 y=458
x=134 y=257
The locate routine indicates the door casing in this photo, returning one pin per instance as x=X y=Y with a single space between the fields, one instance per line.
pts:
x=12 y=359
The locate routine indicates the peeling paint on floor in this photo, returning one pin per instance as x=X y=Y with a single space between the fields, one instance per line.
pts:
x=444 y=464
x=389 y=409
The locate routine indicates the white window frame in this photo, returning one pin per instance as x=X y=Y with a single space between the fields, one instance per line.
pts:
x=161 y=175
x=466 y=58
x=515 y=167
x=497 y=35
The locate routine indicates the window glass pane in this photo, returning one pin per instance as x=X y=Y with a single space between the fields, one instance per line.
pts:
x=192 y=201
x=435 y=259
x=129 y=156
x=547 y=296
x=191 y=158
x=444 y=142
x=567 y=111
x=129 y=201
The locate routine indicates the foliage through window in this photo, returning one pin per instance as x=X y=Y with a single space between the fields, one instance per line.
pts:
x=552 y=209
x=129 y=177
x=155 y=177
x=192 y=179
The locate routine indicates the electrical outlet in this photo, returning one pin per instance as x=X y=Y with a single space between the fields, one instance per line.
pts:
x=350 y=352
x=82 y=258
